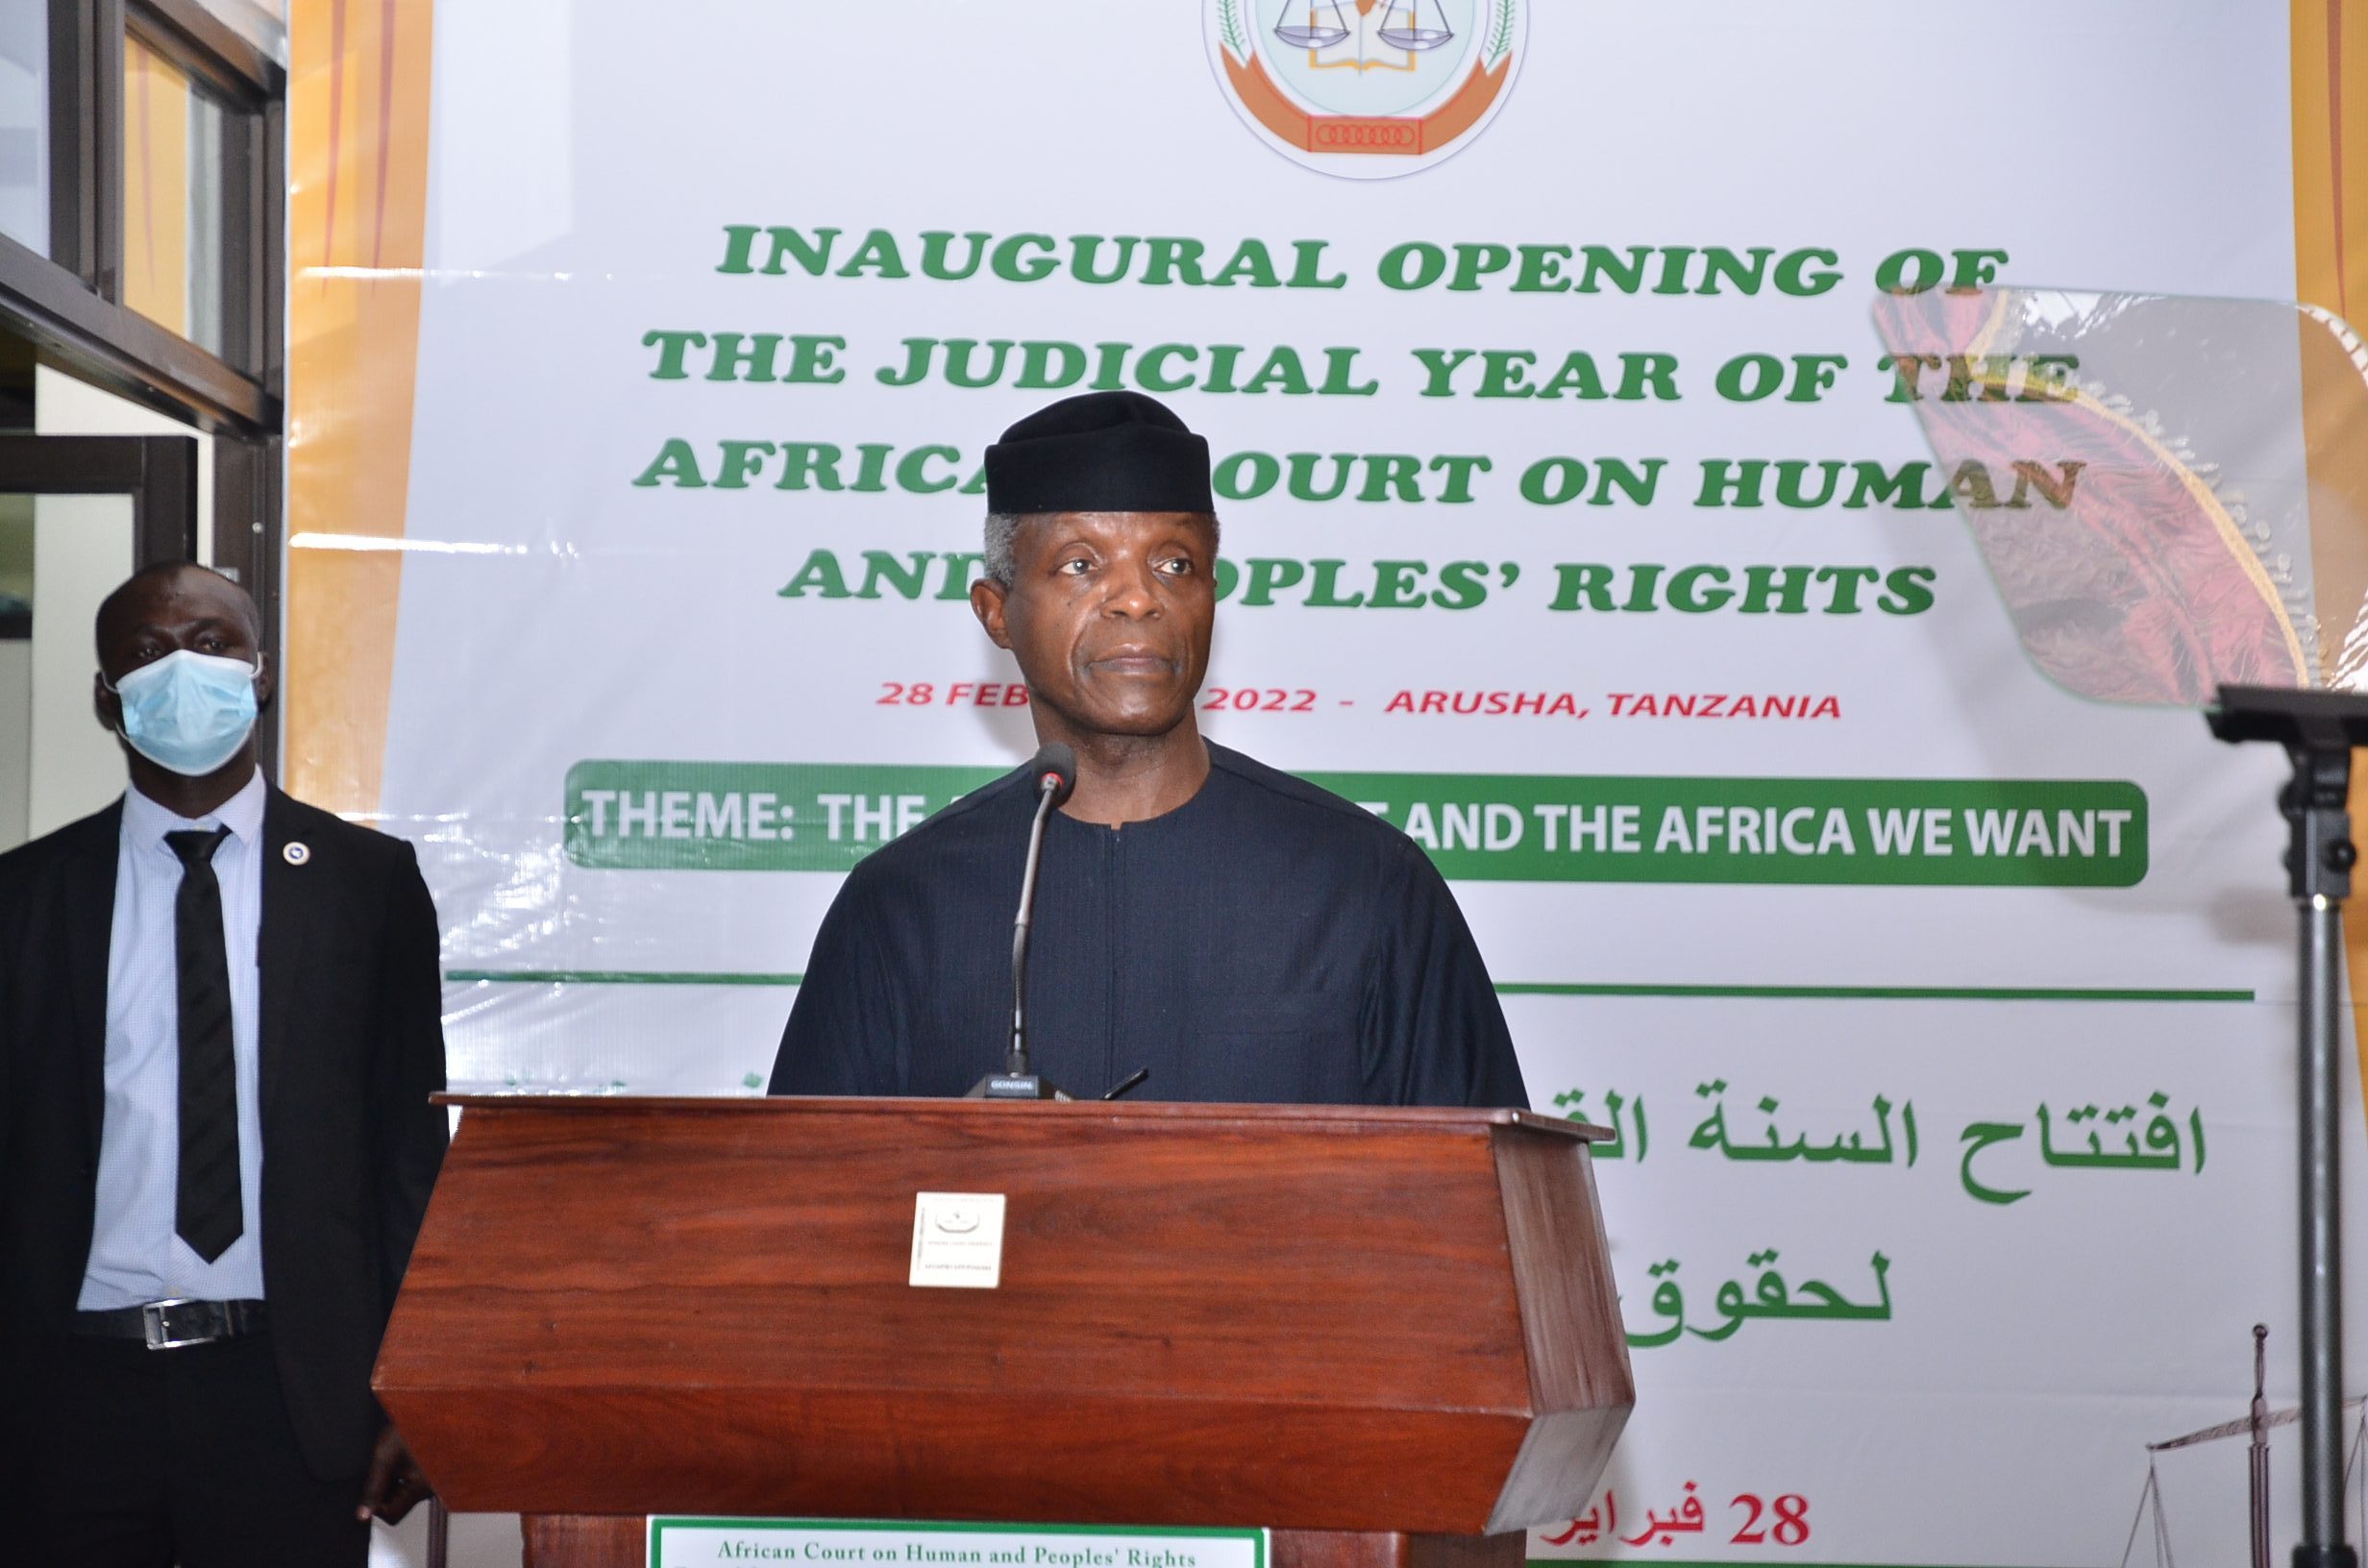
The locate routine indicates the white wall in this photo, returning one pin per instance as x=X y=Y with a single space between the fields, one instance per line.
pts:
x=16 y=727
x=478 y=1540
x=82 y=548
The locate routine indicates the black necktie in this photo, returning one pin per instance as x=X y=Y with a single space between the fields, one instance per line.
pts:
x=206 y=1208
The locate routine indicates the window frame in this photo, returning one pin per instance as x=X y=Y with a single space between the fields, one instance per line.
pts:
x=70 y=302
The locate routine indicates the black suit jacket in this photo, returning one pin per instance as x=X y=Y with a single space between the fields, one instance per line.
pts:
x=351 y=1044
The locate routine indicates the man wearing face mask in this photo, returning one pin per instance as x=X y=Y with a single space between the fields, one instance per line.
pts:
x=219 y=1027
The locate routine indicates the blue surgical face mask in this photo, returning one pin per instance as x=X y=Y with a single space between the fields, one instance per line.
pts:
x=189 y=712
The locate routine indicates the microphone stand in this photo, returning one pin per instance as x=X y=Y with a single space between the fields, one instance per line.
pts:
x=1019 y=1081
x=2257 y=1456
x=2318 y=730
x=1055 y=766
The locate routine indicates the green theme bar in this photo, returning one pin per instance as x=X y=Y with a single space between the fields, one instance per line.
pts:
x=1477 y=827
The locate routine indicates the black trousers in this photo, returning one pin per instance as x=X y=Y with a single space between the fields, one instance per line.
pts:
x=132 y=1458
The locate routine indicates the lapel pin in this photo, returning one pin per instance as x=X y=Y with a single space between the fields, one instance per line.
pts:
x=296 y=852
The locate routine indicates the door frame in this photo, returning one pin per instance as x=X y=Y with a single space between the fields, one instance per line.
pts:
x=158 y=472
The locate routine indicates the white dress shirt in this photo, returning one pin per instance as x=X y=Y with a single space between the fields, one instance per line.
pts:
x=135 y=1256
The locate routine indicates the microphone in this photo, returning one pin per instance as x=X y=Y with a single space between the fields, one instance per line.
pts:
x=1053 y=771
x=1055 y=766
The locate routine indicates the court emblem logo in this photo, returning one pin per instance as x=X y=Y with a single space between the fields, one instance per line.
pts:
x=1367 y=90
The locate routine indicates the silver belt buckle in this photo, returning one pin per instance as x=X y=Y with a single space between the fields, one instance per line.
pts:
x=155 y=1329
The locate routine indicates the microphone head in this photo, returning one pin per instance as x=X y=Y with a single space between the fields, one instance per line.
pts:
x=1054 y=769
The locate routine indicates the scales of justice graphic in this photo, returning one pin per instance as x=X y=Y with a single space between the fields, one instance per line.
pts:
x=2154 y=1516
x=1411 y=36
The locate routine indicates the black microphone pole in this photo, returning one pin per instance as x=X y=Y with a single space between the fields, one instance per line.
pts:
x=2319 y=730
x=1055 y=769
x=1049 y=793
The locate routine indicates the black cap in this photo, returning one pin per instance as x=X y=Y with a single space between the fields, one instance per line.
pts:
x=1103 y=452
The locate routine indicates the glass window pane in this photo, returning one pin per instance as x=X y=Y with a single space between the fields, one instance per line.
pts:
x=24 y=124
x=173 y=133
x=207 y=119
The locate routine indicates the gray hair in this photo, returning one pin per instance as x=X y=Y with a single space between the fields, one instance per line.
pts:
x=1002 y=528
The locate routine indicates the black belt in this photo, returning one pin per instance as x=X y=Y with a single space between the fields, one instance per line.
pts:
x=168 y=1325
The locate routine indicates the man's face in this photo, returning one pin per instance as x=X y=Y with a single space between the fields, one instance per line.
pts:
x=1109 y=615
x=162 y=614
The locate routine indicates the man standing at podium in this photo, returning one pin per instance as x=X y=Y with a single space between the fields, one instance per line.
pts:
x=1238 y=932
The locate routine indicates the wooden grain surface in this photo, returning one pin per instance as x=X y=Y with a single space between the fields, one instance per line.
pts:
x=1580 y=1384
x=585 y=1540
x=1208 y=1314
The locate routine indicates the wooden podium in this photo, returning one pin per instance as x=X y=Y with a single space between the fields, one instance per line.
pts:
x=1389 y=1334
